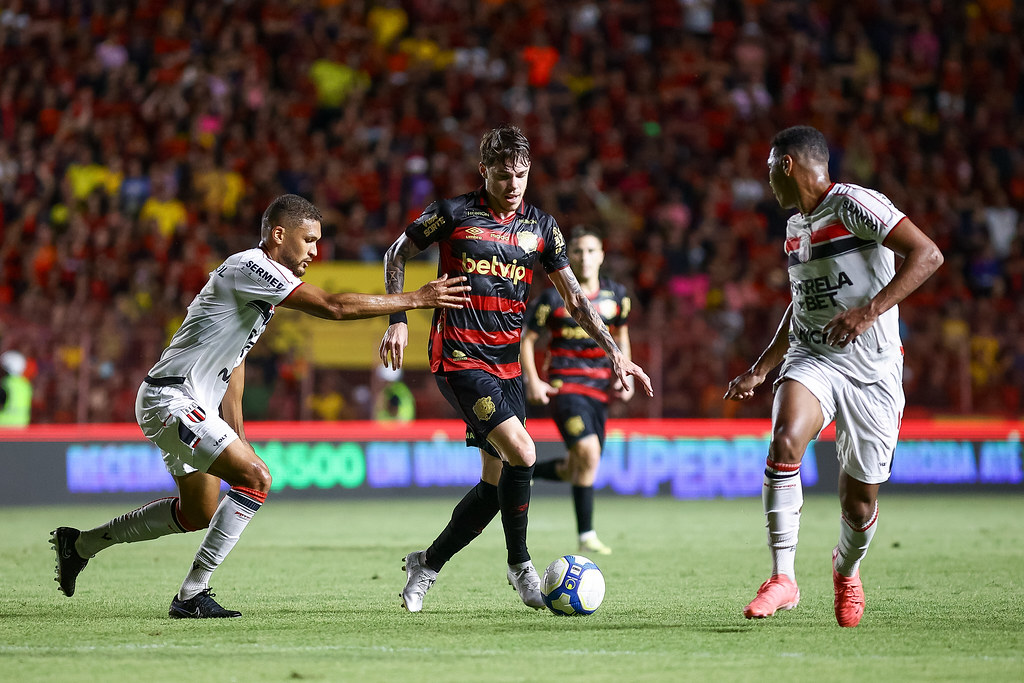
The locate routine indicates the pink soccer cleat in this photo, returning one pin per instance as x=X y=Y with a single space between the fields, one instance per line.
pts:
x=849 y=601
x=778 y=592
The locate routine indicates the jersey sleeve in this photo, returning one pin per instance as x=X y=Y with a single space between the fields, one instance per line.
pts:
x=434 y=224
x=869 y=214
x=538 y=312
x=260 y=280
x=555 y=256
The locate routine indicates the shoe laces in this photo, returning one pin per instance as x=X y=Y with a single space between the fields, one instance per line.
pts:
x=848 y=594
x=526 y=579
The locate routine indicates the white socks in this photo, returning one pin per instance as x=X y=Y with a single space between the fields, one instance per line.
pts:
x=782 y=496
x=853 y=543
x=230 y=519
x=152 y=520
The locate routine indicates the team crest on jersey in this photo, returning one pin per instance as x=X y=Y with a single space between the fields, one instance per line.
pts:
x=574 y=425
x=527 y=241
x=803 y=252
x=458 y=355
x=484 y=408
x=607 y=308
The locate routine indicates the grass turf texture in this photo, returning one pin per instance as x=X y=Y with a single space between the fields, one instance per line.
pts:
x=318 y=586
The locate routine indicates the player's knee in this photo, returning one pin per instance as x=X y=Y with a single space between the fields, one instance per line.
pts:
x=524 y=454
x=858 y=510
x=786 y=447
x=257 y=477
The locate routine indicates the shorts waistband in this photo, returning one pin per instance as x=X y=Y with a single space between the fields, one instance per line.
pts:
x=164 y=381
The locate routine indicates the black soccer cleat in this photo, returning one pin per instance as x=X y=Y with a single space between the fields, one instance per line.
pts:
x=69 y=563
x=202 y=606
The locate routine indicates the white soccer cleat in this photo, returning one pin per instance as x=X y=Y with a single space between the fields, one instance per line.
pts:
x=594 y=546
x=419 y=579
x=523 y=577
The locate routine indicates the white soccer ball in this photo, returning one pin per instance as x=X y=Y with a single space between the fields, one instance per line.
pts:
x=572 y=585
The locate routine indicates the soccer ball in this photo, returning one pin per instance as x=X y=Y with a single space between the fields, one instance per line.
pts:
x=572 y=585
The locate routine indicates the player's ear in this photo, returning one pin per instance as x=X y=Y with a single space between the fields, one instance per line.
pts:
x=483 y=170
x=277 y=234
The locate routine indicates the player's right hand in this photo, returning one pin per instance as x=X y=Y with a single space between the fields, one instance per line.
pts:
x=540 y=392
x=446 y=292
x=392 y=346
x=742 y=388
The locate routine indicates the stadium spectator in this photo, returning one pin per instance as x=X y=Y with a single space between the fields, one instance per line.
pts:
x=909 y=95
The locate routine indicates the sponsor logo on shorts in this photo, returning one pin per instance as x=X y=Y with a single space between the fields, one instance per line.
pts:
x=484 y=408
x=574 y=425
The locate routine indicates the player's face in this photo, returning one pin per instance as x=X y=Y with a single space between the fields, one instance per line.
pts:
x=585 y=257
x=505 y=185
x=780 y=168
x=298 y=247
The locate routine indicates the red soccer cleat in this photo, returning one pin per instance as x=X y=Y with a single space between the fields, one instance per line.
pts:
x=849 y=602
x=778 y=592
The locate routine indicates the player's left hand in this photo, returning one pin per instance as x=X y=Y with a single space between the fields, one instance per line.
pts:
x=847 y=325
x=624 y=369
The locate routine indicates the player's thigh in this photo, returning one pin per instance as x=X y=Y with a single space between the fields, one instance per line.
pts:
x=797 y=418
x=867 y=428
x=189 y=435
x=585 y=453
x=513 y=442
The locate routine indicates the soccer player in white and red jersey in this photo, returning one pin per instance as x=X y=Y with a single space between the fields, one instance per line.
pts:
x=190 y=404
x=841 y=356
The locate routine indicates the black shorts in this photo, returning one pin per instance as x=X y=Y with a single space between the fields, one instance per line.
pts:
x=484 y=402
x=578 y=416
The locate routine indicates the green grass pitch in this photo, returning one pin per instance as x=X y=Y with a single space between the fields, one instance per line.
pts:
x=318 y=585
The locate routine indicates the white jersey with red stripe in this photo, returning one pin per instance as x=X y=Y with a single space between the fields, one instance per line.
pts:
x=837 y=262
x=223 y=322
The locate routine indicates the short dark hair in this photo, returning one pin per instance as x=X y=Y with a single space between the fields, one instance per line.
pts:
x=288 y=210
x=585 y=231
x=505 y=145
x=802 y=141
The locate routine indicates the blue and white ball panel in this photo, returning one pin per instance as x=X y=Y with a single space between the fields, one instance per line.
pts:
x=573 y=585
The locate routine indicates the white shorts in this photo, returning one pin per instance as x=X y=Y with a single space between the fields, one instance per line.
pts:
x=189 y=436
x=867 y=416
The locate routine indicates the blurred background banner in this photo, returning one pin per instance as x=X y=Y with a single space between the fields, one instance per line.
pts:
x=353 y=344
x=685 y=459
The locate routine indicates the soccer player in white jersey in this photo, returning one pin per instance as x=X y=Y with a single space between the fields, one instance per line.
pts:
x=841 y=357
x=190 y=404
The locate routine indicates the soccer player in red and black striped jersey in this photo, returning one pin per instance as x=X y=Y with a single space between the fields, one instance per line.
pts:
x=494 y=238
x=580 y=379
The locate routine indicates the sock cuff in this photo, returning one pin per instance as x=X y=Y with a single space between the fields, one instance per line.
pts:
x=870 y=523
x=781 y=470
x=518 y=473
x=246 y=497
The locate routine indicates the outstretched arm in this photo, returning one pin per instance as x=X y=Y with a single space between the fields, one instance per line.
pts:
x=742 y=387
x=396 y=338
x=583 y=312
x=444 y=292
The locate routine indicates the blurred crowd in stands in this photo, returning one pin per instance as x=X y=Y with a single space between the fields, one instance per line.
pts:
x=141 y=140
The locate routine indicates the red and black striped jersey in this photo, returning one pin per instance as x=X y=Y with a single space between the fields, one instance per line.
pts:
x=498 y=257
x=575 y=363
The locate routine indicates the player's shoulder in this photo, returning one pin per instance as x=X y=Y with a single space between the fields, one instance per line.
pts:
x=459 y=206
x=532 y=213
x=843 y=192
x=616 y=288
